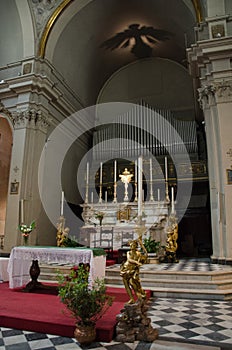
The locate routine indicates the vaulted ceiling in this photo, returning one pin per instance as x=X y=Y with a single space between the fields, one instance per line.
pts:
x=93 y=39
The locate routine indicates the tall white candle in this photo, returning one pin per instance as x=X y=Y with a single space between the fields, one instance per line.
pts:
x=22 y=211
x=115 y=171
x=62 y=204
x=136 y=171
x=87 y=173
x=172 y=196
x=100 y=173
x=140 y=185
x=150 y=169
x=166 y=169
x=158 y=194
x=91 y=197
x=105 y=196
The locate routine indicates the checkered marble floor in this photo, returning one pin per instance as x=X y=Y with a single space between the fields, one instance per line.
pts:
x=188 y=265
x=203 y=264
x=182 y=324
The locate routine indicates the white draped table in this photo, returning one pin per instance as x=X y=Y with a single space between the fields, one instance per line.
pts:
x=21 y=259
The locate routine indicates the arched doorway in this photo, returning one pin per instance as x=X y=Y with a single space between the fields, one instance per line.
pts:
x=6 y=139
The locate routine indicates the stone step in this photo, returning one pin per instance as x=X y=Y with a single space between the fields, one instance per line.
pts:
x=153 y=283
x=178 y=293
x=176 y=275
x=215 y=285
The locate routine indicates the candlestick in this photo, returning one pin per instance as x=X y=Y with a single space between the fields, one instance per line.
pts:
x=22 y=211
x=166 y=169
x=115 y=171
x=62 y=204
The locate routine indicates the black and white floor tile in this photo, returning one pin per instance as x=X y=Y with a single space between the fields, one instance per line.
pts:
x=182 y=324
x=188 y=265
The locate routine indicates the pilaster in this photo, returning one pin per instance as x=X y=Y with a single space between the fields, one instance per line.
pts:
x=210 y=61
x=29 y=136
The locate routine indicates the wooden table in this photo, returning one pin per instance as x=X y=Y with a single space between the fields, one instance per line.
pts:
x=22 y=257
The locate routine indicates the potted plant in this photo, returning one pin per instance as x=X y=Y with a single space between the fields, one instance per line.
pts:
x=153 y=247
x=86 y=303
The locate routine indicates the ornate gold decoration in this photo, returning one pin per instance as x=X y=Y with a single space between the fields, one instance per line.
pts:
x=171 y=246
x=62 y=232
x=124 y=214
x=49 y=26
x=198 y=11
x=130 y=270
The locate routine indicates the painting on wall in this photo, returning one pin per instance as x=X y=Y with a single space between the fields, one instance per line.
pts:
x=229 y=176
x=14 y=187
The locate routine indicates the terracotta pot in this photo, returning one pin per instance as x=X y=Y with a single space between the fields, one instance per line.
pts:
x=85 y=334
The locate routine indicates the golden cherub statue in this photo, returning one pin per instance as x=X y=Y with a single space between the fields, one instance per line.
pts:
x=129 y=270
x=62 y=232
x=172 y=236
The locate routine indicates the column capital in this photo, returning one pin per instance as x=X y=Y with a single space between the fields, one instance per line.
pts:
x=30 y=118
x=206 y=95
x=219 y=91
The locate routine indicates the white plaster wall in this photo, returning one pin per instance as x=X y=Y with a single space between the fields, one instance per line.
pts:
x=159 y=82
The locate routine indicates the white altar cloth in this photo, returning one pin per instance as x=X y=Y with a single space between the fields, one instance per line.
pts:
x=21 y=258
x=3 y=269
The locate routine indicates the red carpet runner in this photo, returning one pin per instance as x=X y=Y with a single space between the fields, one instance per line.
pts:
x=44 y=313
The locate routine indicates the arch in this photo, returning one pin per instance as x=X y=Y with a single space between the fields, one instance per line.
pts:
x=152 y=79
x=64 y=5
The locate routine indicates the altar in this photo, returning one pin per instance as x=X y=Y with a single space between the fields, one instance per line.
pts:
x=121 y=220
x=21 y=258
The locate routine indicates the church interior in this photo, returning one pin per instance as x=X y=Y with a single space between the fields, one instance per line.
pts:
x=115 y=119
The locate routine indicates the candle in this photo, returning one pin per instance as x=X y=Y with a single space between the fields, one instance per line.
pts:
x=105 y=196
x=91 y=197
x=172 y=189
x=22 y=212
x=87 y=173
x=158 y=194
x=140 y=185
x=136 y=172
x=166 y=169
x=100 y=173
x=150 y=169
x=172 y=193
x=115 y=171
x=62 y=204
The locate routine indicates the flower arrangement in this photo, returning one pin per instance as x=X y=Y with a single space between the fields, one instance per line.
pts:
x=87 y=304
x=26 y=231
x=99 y=215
